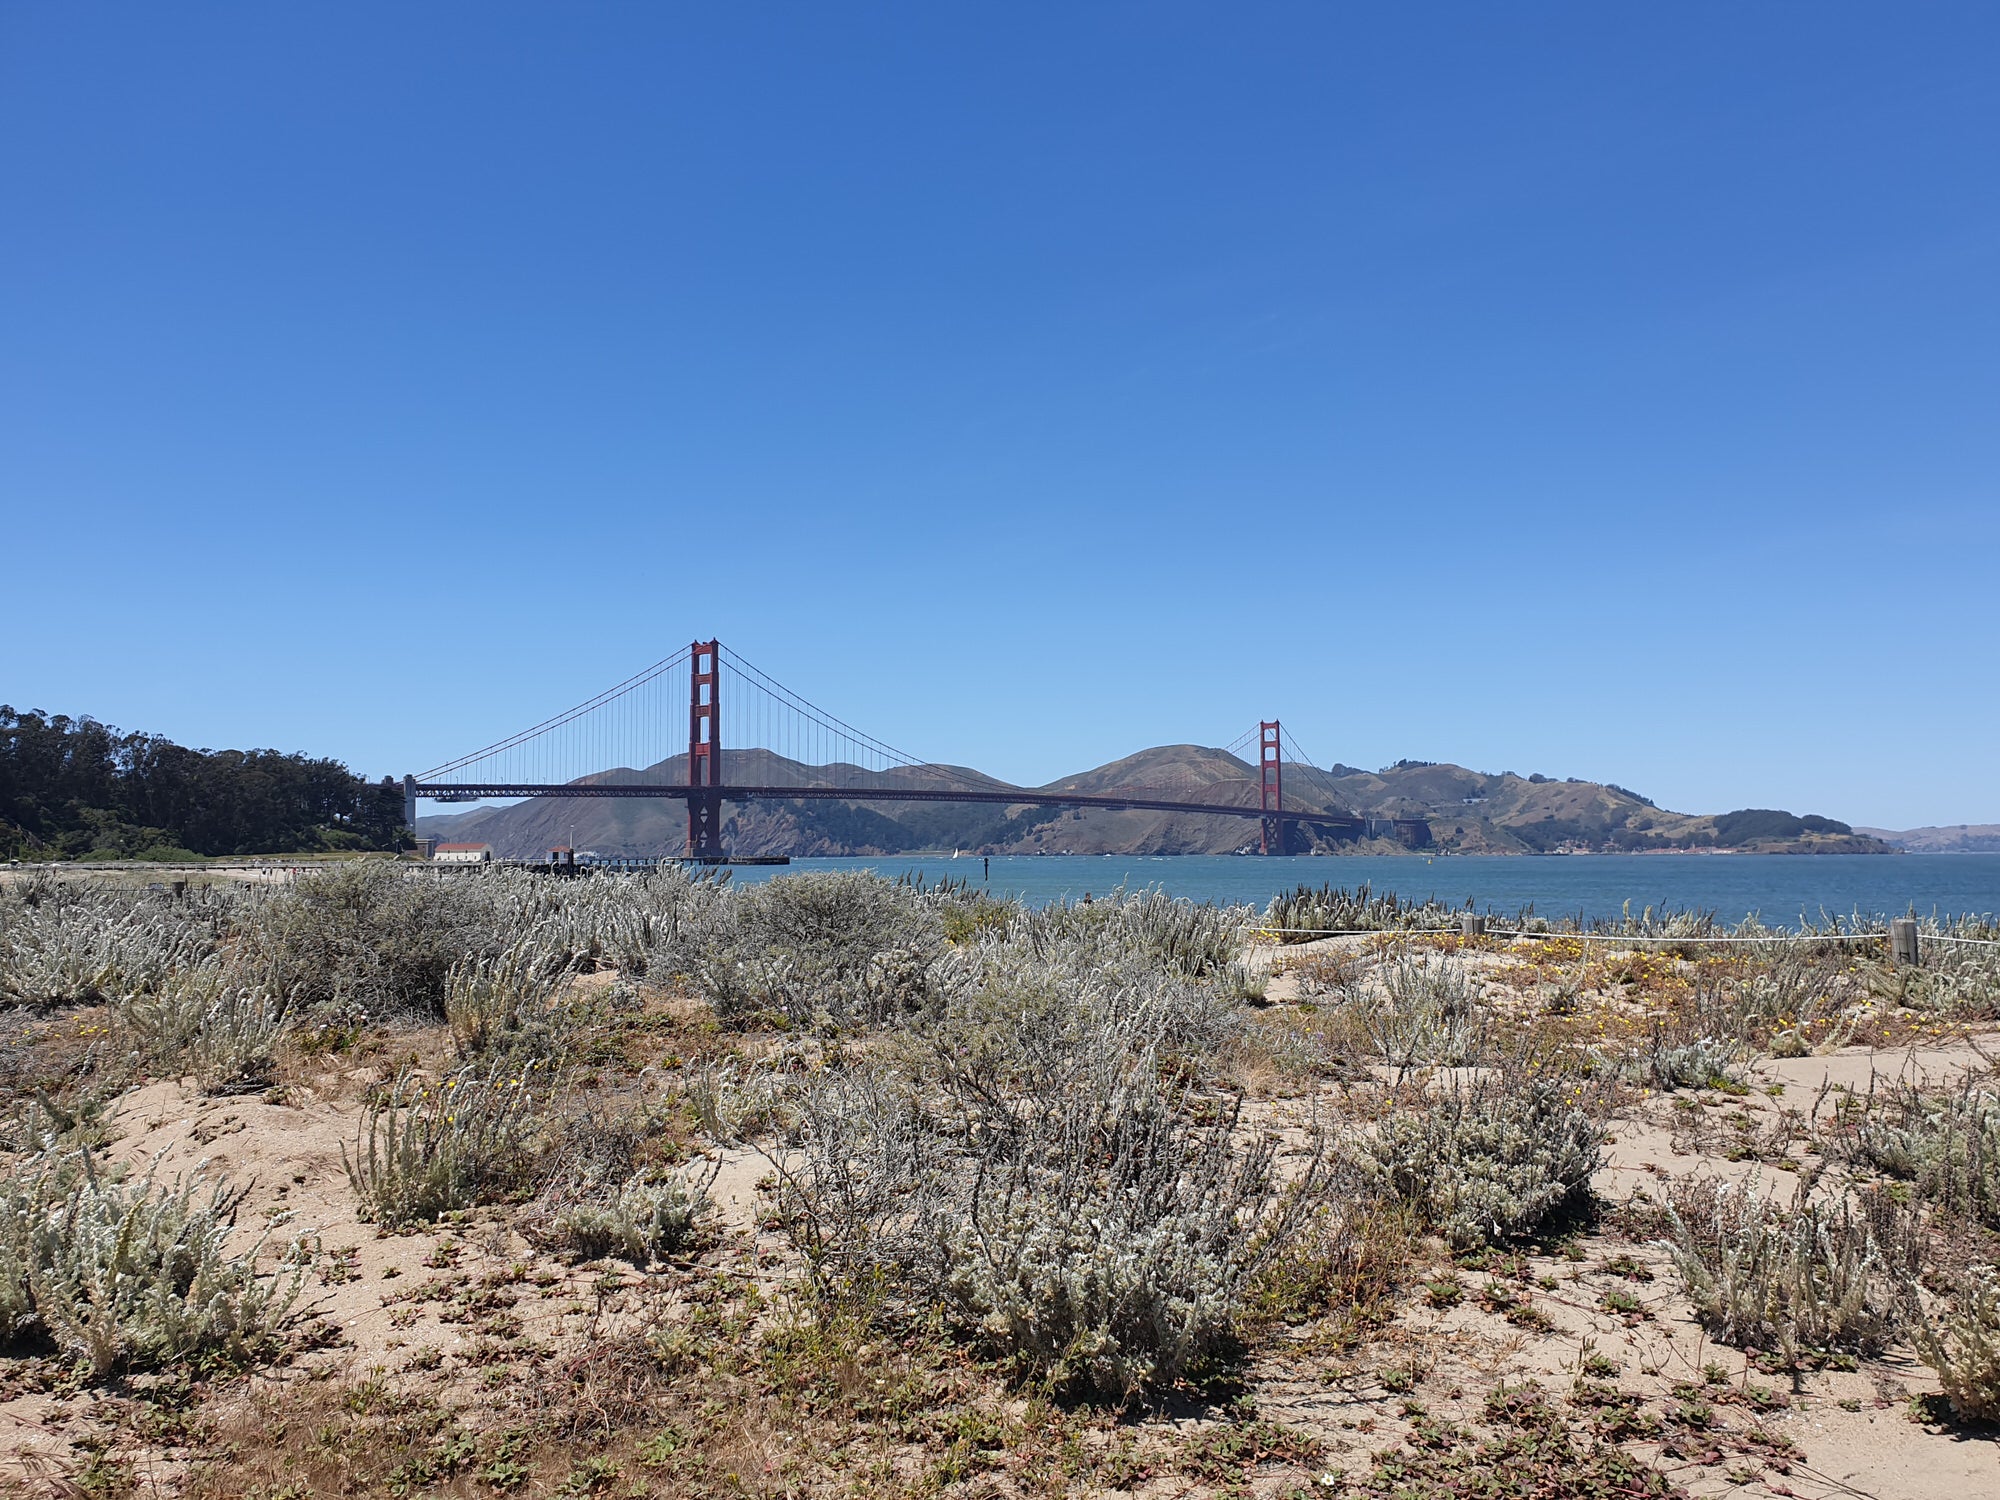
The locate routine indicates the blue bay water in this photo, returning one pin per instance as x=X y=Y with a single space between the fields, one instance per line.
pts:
x=1778 y=889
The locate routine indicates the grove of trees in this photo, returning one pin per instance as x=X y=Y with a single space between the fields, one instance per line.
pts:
x=78 y=789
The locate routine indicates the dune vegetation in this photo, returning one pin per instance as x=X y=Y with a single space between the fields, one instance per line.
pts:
x=392 y=1183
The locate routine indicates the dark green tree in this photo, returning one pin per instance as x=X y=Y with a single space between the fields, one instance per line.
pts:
x=76 y=788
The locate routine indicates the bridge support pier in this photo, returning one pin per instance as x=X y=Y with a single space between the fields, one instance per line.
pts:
x=705 y=827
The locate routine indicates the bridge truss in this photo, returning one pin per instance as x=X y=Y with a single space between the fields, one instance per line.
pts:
x=624 y=743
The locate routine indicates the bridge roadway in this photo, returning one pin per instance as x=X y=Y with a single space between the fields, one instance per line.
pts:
x=1343 y=822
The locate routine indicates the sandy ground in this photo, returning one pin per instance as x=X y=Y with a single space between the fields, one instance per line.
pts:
x=414 y=1305
x=421 y=1307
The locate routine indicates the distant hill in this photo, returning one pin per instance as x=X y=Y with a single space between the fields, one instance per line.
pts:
x=1481 y=813
x=1468 y=811
x=1956 y=838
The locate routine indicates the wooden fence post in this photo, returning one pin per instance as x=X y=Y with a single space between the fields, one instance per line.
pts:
x=1903 y=941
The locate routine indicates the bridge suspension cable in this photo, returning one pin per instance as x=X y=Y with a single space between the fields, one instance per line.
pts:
x=640 y=726
x=1320 y=781
x=1244 y=741
x=687 y=728
x=806 y=735
x=673 y=666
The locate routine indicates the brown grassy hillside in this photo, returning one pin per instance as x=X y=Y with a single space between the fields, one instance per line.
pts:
x=1469 y=811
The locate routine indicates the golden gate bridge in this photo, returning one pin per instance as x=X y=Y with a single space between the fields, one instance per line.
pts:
x=625 y=743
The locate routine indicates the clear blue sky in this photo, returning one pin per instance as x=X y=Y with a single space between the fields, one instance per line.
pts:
x=1609 y=391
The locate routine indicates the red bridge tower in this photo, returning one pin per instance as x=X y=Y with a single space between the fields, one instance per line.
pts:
x=704 y=751
x=1271 y=779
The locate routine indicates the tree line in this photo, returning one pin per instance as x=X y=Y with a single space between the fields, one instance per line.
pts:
x=79 y=789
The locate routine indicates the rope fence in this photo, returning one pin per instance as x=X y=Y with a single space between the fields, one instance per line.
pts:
x=1578 y=937
x=1609 y=937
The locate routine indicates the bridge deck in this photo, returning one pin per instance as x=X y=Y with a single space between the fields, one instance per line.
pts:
x=1009 y=797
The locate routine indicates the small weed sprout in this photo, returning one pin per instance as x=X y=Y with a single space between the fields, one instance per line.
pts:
x=422 y=1150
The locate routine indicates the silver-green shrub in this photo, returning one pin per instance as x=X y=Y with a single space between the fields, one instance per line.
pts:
x=1705 y=1062
x=840 y=950
x=132 y=1275
x=234 y=1049
x=1962 y=1343
x=1193 y=940
x=1297 y=917
x=370 y=938
x=640 y=1223
x=1144 y=929
x=79 y=942
x=1030 y=1166
x=502 y=1006
x=1815 y=1276
x=805 y=946
x=1097 y=1238
x=1107 y=1276
x=39 y=1126
x=603 y=920
x=1422 y=1012
x=1663 y=922
x=1959 y=976
x=731 y=1100
x=1484 y=1163
x=426 y=1148
x=1946 y=1143
x=206 y=1021
x=1023 y=1008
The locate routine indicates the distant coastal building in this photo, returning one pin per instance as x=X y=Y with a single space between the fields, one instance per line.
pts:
x=1411 y=833
x=462 y=854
